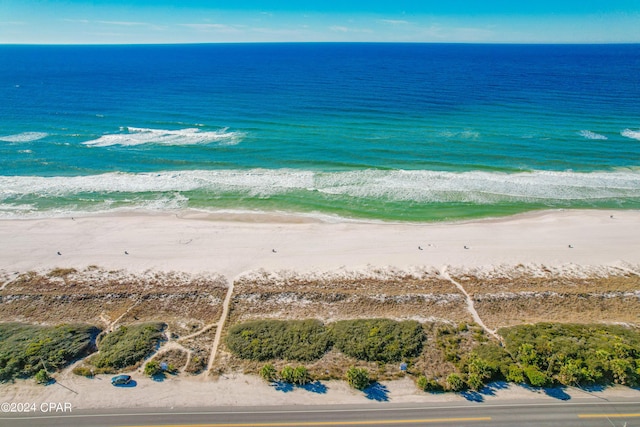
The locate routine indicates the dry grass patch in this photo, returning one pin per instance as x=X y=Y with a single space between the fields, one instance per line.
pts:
x=539 y=278
x=101 y=297
x=420 y=295
x=504 y=310
x=200 y=347
x=513 y=295
x=175 y=359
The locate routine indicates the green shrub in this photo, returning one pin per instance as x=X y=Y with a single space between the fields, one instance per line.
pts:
x=623 y=371
x=455 y=382
x=287 y=374
x=536 y=377
x=127 y=346
x=301 y=375
x=268 y=372
x=42 y=377
x=379 y=340
x=515 y=374
x=82 y=371
x=152 y=368
x=358 y=378
x=26 y=349
x=475 y=382
x=303 y=340
x=427 y=384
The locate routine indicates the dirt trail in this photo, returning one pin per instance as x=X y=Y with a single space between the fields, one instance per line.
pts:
x=223 y=318
x=200 y=331
x=470 y=307
x=113 y=324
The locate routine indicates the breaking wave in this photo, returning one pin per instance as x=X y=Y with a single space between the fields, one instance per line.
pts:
x=131 y=136
x=633 y=134
x=24 y=137
x=591 y=135
x=404 y=186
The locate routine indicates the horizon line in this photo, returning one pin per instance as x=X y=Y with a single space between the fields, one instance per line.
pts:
x=560 y=43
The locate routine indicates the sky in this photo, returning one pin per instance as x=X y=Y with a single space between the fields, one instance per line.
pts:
x=210 y=21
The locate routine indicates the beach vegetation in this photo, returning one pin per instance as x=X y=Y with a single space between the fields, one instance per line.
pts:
x=358 y=378
x=301 y=375
x=379 y=340
x=197 y=363
x=573 y=354
x=300 y=340
x=42 y=377
x=286 y=374
x=127 y=346
x=83 y=371
x=455 y=382
x=268 y=372
x=152 y=368
x=428 y=384
x=25 y=350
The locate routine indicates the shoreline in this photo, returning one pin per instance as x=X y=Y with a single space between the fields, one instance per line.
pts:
x=197 y=243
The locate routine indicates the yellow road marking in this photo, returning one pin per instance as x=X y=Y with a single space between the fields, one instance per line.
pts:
x=608 y=415
x=334 y=423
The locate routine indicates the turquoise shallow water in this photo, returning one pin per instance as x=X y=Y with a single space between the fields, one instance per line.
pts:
x=409 y=132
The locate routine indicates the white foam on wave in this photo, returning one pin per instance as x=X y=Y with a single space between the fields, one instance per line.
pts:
x=24 y=137
x=591 y=135
x=633 y=134
x=132 y=136
x=410 y=186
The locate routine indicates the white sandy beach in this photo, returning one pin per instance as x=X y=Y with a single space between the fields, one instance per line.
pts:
x=194 y=242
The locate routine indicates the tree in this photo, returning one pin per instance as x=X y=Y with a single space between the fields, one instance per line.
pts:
x=358 y=378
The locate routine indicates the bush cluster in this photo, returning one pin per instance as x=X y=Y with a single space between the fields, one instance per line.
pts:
x=380 y=340
x=27 y=349
x=260 y=340
x=298 y=375
x=570 y=354
x=127 y=346
x=542 y=355
x=358 y=378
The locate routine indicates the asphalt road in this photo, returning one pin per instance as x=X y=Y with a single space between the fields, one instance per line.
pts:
x=577 y=412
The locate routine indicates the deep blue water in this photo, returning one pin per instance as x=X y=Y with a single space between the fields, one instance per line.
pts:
x=415 y=132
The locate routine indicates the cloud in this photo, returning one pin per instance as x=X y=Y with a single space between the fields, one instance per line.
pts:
x=77 y=21
x=343 y=29
x=339 y=29
x=133 y=24
x=394 y=21
x=209 y=28
x=125 y=23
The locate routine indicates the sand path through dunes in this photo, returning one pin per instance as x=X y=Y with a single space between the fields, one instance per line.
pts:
x=470 y=305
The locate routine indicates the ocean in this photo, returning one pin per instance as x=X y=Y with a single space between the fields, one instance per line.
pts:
x=390 y=132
